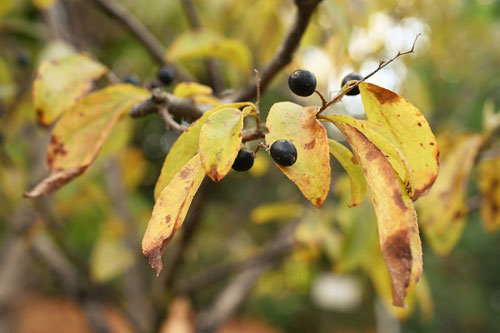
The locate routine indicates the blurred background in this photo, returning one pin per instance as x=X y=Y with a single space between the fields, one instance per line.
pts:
x=71 y=261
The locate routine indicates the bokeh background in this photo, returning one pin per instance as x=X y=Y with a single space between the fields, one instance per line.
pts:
x=66 y=257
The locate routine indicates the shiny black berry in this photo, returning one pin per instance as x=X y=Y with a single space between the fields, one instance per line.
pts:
x=352 y=77
x=166 y=75
x=132 y=79
x=243 y=161
x=302 y=82
x=283 y=152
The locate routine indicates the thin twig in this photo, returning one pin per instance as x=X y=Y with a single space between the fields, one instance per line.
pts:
x=253 y=136
x=323 y=99
x=169 y=121
x=381 y=65
x=290 y=43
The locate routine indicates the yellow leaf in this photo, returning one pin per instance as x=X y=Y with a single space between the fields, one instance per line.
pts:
x=170 y=210
x=43 y=4
x=489 y=185
x=80 y=133
x=132 y=176
x=282 y=211
x=220 y=140
x=60 y=82
x=311 y=172
x=407 y=126
x=186 y=147
x=190 y=89
x=351 y=165
x=393 y=155
x=443 y=211
x=396 y=216
x=199 y=45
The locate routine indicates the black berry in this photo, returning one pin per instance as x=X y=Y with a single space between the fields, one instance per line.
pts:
x=243 y=161
x=283 y=152
x=302 y=82
x=352 y=77
x=132 y=79
x=166 y=75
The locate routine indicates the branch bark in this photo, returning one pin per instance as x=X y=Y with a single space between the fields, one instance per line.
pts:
x=284 y=55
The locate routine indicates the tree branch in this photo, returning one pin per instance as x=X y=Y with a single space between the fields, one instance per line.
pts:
x=284 y=55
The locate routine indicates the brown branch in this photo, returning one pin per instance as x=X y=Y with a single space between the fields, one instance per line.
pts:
x=170 y=122
x=212 y=68
x=290 y=43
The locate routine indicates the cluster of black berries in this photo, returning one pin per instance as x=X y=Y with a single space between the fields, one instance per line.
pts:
x=165 y=77
x=283 y=152
x=303 y=83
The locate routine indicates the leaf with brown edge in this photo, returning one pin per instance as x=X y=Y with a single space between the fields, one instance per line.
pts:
x=443 y=211
x=220 y=140
x=407 y=128
x=489 y=185
x=393 y=155
x=396 y=216
x=311 y=172
x=60 y=82
x=351 y=165
x=79 y=135
x=186 y=147
x=170 y=210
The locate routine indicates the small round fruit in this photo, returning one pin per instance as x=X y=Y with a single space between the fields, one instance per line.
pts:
x=302 y=82
x=166 y=75
x=352 y=77
x=283 y=152
x=243 y=161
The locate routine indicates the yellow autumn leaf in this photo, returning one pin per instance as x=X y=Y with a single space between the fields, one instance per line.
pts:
x=443 y=211
x=406 y=126
x=351 y=165
x=220 y=140
x=393 y=155
x=79 y=135
x=190 y=89
x=281 y=211
x=43 y=4
x=489 y=185
x=200 y=45
x=186 y=147
x=311 y=172
x=396 y=216
x=60 y=82
x=170 y=210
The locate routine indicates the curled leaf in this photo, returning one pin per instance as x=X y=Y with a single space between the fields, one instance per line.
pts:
x=170 y=211
x=220 y=140
x=60 y=82
x=311 y=172
x=80 y=133
x=396 y=216
x=351 y=165
x=406 y=127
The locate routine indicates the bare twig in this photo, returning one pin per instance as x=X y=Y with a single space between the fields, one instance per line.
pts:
x=170 y=122
x=305 y=9
x=323 y=99
x=381 y=65
x=213 y=70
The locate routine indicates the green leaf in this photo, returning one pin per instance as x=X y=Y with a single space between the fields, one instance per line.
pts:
x=407 y=128
x=311 y=172
x=220 y=140
x=351 y=165
x=80 y=133
x=199 y=45
x=60 y=82
x=186 y=147
x=170 y=211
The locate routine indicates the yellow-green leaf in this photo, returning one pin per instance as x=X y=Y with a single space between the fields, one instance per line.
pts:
x=198 y=45
x=60 y=82
x=80 y=133
x=220 y=140
x=190 y=89
x=43 y=4
x=407 y=127
x=351 y=165
x=311 y=172
x=396 y=216
x=186 y=147
x=282 y=211
x=443 y=211
x=170 y=210
x=393 y=155
x=489 y=185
